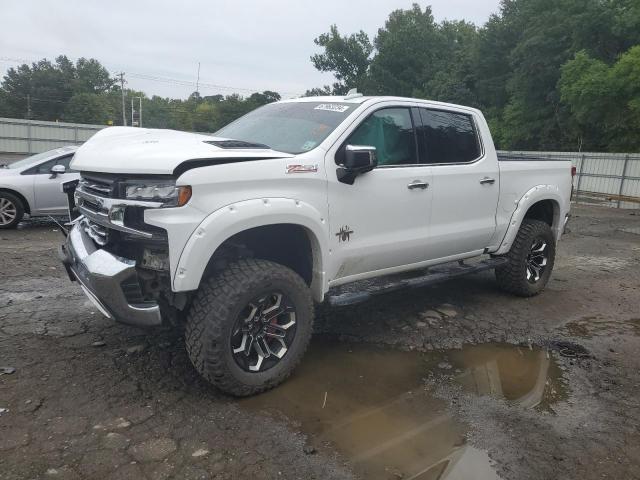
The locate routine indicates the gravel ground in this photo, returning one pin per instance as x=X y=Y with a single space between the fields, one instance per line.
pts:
x=94 y=399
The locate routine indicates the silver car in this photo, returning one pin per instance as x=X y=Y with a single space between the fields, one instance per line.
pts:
x=33 y=186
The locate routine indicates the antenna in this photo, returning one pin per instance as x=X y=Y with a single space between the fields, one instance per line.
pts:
x=353 y=93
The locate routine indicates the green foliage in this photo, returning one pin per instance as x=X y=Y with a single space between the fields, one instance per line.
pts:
x=84 y=92
x=346 y=57
x=406 y=53
x=88 y=108
x=604 y=100
x=548 y=74
x=42 y=90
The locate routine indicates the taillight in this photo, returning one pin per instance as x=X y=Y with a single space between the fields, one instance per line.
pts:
x=573 y=171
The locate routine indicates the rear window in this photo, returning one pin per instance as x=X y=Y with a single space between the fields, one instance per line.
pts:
x=448 y=137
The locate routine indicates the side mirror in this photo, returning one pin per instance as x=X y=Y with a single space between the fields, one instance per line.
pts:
x=57 y=170
x=358 y=159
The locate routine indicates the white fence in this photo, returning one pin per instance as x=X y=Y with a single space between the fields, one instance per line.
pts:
x=610 y=178
x=24 y=137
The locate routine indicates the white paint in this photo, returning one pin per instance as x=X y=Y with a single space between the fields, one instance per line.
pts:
x=394 y=229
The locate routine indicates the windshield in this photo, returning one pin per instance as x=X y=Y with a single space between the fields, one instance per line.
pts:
x=289 y=127
x=33 y=159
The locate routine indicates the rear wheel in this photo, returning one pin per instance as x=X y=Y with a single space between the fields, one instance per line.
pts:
x=531 y=260
x=11 y=210
x=249 y=326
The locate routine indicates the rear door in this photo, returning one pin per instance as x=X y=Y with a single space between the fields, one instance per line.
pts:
x=465 y=182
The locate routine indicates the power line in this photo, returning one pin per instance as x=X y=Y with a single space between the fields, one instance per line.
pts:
x=169 y=80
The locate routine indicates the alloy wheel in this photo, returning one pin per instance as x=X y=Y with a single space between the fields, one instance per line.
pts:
x=8 y=211
x=263 y=332
x=537 y=259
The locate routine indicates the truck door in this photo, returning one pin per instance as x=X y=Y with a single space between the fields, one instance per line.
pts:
x=465 y=182
x=382 y=220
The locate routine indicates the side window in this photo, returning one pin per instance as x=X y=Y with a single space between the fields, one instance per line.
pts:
x=66 y=161
x=46 y=166
x=448 y=137
x=391 y=131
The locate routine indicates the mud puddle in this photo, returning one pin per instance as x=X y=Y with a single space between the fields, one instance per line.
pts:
x=370 y=404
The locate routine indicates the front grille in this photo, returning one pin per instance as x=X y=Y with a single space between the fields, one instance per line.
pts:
x=99 y=184
x=98 y=233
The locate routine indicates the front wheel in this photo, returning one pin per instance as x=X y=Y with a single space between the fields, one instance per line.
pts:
x=530 y=260
x=11 y=210
x=249 y=326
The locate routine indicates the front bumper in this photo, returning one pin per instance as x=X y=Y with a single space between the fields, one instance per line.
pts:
x=101 y=274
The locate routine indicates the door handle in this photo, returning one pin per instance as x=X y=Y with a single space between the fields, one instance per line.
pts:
x=418 y=184
x=487 y=180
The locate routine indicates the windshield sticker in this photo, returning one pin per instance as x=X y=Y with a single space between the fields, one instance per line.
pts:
x=308 y=145
x=332 y=107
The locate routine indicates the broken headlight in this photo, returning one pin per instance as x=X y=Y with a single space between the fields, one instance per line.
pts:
x=166 y=193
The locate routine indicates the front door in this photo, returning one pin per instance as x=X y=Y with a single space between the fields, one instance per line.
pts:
x=382 y=220
x=49 y=198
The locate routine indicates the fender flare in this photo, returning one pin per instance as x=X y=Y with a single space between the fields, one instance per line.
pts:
x=232 y=219
x=531 y=197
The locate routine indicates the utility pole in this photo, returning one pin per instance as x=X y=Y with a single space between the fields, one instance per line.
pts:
x=124 y=118
x=136 y=117
x=28 y=107
x=198 y=81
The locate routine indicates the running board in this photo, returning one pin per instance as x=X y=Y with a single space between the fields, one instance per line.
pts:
x=436 y=275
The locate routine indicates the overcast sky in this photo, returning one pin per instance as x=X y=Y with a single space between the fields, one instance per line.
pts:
x=245 y=45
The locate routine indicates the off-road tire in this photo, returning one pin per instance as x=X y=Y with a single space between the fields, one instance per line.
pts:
x=19 y=210
x=215 y=309
x=512 y=277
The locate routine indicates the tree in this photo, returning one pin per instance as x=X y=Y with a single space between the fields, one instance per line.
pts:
x=41 y=90
x=318 y=91
x=407 y=53
x=346 y=56
x=88 y=108
x=604 y=100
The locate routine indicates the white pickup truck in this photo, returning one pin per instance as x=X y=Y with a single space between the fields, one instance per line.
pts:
x=238 y=234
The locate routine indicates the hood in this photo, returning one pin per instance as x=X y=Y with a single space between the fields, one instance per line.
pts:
x=151 y=151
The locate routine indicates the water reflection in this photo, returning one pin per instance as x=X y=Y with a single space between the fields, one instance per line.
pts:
x=370 y=404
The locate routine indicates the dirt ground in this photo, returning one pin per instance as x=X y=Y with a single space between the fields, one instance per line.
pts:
x=552 y=380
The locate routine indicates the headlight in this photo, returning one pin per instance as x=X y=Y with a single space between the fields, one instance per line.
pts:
x=166 y=193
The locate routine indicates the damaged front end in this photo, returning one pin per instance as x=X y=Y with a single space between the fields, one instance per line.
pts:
x=121 y=263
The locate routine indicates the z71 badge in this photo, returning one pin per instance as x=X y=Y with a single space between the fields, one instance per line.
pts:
x=302 y=168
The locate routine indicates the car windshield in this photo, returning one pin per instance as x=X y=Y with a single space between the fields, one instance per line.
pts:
x=33 y=159
x=291 y=127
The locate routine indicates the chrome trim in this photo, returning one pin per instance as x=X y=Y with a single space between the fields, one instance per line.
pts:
x=100 y=275
x=106 y=216
x=107 y=203
x=95 y=186
x=103 y=219
x=409 y=106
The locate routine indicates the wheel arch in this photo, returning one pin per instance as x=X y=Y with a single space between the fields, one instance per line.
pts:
x=542 y=202
x=285 y=231
x=25 y=203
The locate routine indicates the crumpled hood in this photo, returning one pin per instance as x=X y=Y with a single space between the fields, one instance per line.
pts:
x=151 y=151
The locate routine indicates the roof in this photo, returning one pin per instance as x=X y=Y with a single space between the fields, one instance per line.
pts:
x=374 y=99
